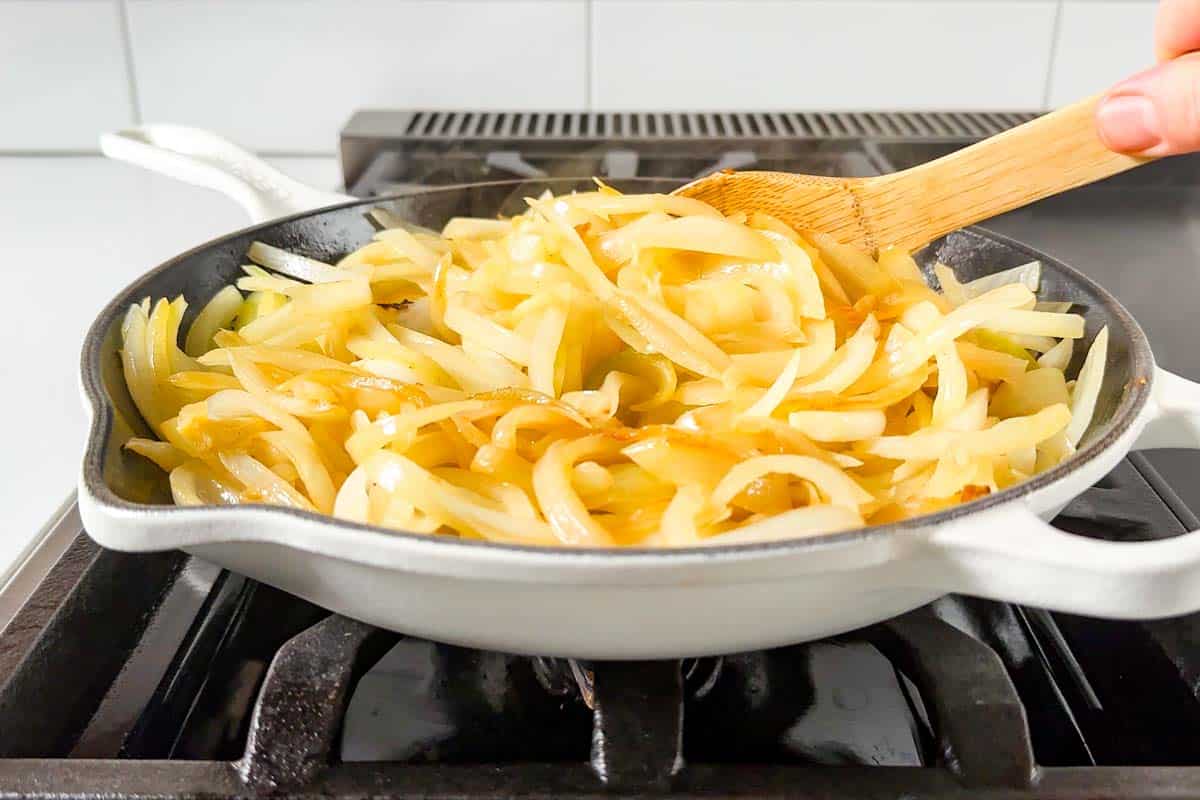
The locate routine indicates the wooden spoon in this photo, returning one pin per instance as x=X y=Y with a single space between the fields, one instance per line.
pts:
x=1048 y=155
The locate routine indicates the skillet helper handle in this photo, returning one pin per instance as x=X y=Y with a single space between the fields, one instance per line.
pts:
x=1008 y=553
x=205 y=159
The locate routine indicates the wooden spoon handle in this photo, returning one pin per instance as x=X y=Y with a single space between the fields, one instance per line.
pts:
x=1048 y=155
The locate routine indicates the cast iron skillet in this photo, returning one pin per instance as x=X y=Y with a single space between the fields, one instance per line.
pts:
x=629 y=603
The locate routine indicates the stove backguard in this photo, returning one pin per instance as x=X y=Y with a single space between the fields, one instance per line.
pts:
x=388 y=151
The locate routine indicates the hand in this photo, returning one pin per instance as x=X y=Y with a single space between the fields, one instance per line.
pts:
x=1157 y=112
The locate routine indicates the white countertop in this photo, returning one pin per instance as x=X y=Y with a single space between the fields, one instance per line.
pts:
x=73 y=231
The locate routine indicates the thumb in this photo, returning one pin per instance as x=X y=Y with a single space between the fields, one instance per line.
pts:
x=1154 y=113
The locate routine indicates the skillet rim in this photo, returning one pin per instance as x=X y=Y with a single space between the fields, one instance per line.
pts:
x=1136 y=396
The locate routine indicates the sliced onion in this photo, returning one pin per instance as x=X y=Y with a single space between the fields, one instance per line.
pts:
x=474 y=228
x=1006 y=435
x=1029 y=275
x=764 y=367
x=807 y=285
x=849 y=363
x=952 y=384
x=1059 y=356
x=543 y=351
x=838 y=426
x=234 y=403
x=293 y=265
x=680 y=463
x=263 y=484
x=1087 y=387
x=973 y=313
x=707 y=235
x=566 y=513
x=290 y=359
x=139 y=376
x=608 y=204
x=407 y=245
x=472 y=374
x=989 y=364
x=659 y=330
x=973 y=415
x=770 y=400
x=465 y=508
x=165 y=456
x=951 y=287
x=1029 y=392
x=197 y=484
x=678 y=527
x=900 y=265
x=574 y=251
x=504 y=432
x=1055 y=450
x=920 y=317
x=399 y=430
x=1037 y=323
x=217 y=313
x=470 y=325
x=303 y=454
x=655 y=370
x=829 y=480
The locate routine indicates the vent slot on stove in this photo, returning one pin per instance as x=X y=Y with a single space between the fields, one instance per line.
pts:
x=434 y=125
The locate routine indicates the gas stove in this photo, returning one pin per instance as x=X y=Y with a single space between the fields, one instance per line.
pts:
x=161 y=675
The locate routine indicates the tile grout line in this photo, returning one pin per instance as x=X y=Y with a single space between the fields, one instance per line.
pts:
x=130 y=73
x=1055 y=30
x=589 y=49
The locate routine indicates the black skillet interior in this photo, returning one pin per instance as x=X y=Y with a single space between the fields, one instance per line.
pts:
x=329 y=235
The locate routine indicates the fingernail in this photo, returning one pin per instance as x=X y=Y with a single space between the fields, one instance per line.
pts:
x=1129 y=123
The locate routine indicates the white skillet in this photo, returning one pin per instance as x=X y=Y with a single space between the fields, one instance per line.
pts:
x=636 y=604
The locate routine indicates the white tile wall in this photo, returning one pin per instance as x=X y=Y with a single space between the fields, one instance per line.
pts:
x=1098 y=44
x=62 y=74
x=283 y=75
x=741 y=54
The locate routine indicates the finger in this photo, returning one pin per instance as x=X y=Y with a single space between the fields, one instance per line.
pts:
x=1176 y=28
x=1155 y=113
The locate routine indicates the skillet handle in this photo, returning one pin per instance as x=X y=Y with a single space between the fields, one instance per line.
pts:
x=1009 y=553
x=1174 y=414
x=205 y=159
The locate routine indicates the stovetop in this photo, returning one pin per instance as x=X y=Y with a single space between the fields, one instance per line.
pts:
x=161 y=675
